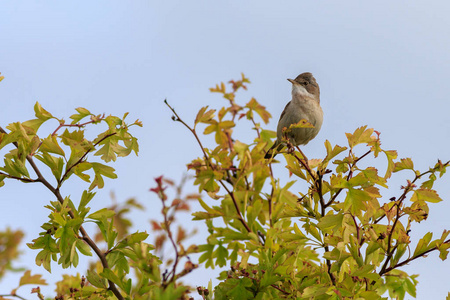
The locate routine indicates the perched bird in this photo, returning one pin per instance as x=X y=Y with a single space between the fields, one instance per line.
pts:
x=305 y=104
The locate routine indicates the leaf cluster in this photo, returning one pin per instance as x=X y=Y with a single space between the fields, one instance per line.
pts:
x=337 y=238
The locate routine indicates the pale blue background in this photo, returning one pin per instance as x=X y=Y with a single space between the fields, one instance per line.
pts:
x=386 y=65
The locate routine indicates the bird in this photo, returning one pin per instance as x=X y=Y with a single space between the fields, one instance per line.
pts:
x=305 y=104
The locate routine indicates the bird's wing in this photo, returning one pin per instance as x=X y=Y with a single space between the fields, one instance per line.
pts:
x=284 y=111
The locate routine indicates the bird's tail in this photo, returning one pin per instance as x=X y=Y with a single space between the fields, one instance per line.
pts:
x=273 y=151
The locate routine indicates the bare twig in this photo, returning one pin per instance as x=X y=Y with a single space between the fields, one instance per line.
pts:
x=13 y=295
x=77 y=125
x=28 y=180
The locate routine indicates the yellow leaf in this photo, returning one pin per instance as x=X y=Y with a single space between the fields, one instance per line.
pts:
x=28 y=279
x=404 y=164
x=360 y=136
x=426 y=195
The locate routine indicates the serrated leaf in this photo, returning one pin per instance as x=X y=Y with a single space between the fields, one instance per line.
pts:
x=102 y=213
x=259 y=109
x=50 y=144
x=423 y=243
x=360 y=136
x=101 y=170
x=404 y=164
x=301 y=124
x=41 y=113
x=332 y=152
x=426 y=195
x=27 y=278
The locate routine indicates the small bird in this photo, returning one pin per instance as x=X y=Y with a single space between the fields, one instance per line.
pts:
x=305 y=104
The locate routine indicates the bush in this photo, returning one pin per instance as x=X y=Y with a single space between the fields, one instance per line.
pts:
x=334 y=237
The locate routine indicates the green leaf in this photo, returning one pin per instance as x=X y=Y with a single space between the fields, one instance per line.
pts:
x=204 y=116
x=132 y=239
x=101 y=170
x=56 y=164
x=41 y=113
x=79 y=170
x=33 y=124
x=43 y=259
x=96 y=280
x=423 y=244
x=83 y=247
x=86 y=197
x=332 y=152
x=110 y=275
x=355 y=201
x=50 y=144
x=301 y=124
x=15 y=167
x=425 y=195
x=102 y=213
x=331 y=220
x=111 y=149
x=7 y=138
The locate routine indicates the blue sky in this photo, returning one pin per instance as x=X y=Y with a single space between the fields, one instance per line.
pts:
x=385 y=65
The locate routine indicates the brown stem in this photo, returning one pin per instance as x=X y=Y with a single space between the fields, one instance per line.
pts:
x=386 y=270
x=77 y=125
x=256 y=127
x=12 y=295
x=18 y=178
x=169 y=234
x=178 y=119
x=390 y=252
x=305 y=165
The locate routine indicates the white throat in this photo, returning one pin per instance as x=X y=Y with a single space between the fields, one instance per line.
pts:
x=299 y=90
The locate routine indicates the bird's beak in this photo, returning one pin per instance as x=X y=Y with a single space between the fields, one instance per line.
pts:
x=291 y=80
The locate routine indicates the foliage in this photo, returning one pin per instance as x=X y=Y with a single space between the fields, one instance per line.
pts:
x=326 y=234
x=335 y=239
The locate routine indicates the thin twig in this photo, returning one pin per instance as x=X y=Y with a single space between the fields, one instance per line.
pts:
x=28 y=180
x=230 y=193
x=13 y=295
x=386 y=270
x=77 y=125
x=169 y=234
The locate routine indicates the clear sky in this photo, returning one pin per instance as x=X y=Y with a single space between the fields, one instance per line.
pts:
x=386 y=65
